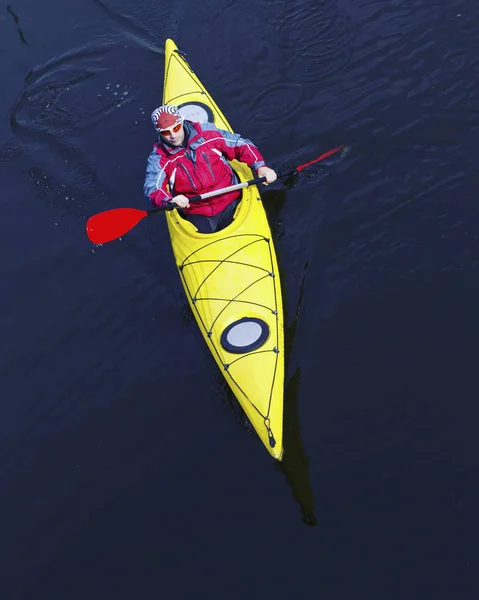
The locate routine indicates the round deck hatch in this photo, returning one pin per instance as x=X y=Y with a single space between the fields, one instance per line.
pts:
x=196 y=111
x=244 y=335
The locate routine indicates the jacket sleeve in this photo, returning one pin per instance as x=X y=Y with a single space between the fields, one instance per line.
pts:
x=233 y=146
x=155 y=187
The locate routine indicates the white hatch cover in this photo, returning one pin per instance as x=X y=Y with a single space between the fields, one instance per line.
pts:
x=245 y=335
x=197 y=112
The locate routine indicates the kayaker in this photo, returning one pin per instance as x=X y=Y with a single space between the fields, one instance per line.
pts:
x=193 y=159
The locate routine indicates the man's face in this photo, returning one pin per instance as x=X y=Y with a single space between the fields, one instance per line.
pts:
x=174 y=135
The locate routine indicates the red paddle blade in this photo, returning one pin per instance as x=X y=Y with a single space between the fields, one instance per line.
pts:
x=111 y=224
x=322 y=157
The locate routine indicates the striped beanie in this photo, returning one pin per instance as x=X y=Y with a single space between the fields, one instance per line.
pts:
x=165 y=116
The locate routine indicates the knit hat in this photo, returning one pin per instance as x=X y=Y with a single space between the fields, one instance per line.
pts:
x=165 y=116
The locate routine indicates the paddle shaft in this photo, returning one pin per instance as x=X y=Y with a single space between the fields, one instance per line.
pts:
x=225 y=190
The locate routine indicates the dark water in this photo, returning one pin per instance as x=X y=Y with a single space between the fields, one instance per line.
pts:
x=125 y=469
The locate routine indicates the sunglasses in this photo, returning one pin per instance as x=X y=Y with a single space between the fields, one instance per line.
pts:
x=168 y=132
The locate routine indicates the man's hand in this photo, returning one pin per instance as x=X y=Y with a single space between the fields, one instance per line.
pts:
x=181 y=201
x=268 y=173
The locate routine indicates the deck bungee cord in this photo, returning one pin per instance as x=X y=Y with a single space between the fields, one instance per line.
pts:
x=208 y=328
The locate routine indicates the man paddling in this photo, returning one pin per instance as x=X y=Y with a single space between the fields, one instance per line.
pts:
x=192 y=158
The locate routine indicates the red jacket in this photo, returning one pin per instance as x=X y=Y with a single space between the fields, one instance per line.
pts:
x=199 y=166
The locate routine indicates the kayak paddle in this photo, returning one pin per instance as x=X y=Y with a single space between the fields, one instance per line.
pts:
x=111 y=224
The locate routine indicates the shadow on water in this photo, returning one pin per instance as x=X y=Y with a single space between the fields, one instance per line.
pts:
x=295 y=464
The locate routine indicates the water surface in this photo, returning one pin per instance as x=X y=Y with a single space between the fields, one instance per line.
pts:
x=126 y=470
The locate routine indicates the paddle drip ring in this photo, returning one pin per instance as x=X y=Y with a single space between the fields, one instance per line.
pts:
x=245 y=335
x=196 y=111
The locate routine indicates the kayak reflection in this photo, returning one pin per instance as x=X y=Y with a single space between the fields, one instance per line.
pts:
x=295 y=464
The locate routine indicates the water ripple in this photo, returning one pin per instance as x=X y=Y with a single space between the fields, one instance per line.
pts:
x=45 y=105
x=64 y=117
x=132 y=26
x=273 y=105
x=317 y=38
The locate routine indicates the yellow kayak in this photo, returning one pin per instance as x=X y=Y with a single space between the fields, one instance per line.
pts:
x=231 y=278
